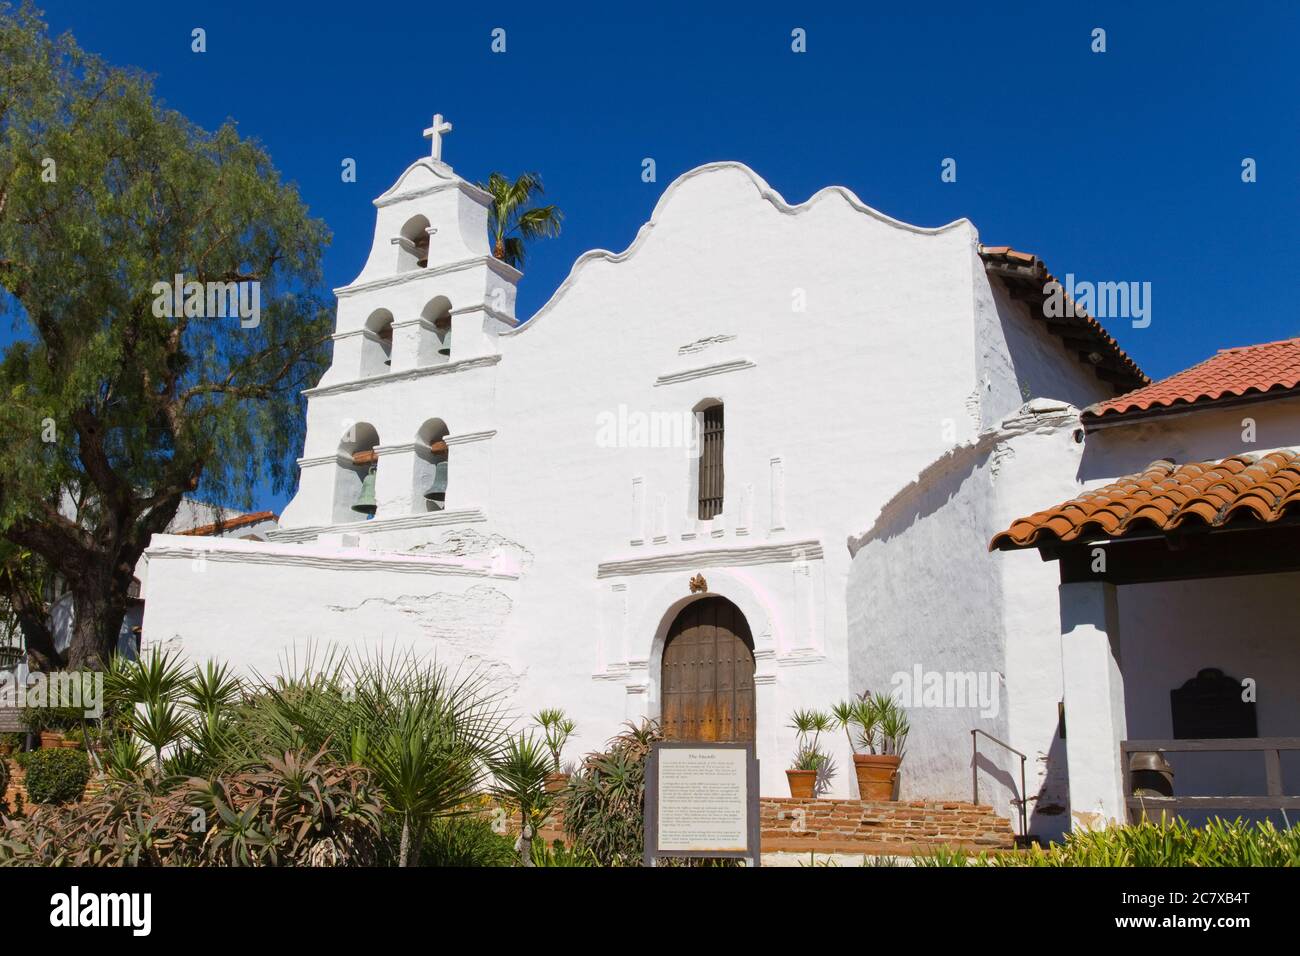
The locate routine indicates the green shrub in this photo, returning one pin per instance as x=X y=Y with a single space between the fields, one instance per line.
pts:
x=287 y=811
x=466 y=841
x=56 y=776
x=604 y=810
x=1219 y=843
x=557 y=855
x=4 y=783
x=37 y=719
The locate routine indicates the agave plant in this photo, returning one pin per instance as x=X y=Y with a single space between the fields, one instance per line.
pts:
x=605 y=807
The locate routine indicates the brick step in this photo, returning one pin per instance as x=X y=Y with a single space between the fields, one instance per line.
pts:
x=797 y=825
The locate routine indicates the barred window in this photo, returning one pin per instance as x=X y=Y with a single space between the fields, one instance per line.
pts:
x=711 y=439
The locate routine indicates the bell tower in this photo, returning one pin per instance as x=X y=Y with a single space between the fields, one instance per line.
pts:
x=429 y=302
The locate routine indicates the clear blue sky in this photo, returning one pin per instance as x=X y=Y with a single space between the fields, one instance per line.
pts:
x=1117 y=166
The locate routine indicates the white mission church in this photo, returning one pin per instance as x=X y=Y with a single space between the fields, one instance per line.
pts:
x=872 y=402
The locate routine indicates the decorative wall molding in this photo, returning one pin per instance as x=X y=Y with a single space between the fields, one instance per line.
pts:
x=271 y=555
x=492 y=263
x=699 y=345
x=810 y=550
x=689 y=375
x=488 y=311
x=410 y=374
x=428 y=520
x=467 y=438
x=334 y=458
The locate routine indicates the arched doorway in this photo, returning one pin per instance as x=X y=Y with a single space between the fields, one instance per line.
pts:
x=708 y=674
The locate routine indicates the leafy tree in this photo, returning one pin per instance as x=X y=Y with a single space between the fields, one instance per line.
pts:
x=511 y=222
x=113 y=409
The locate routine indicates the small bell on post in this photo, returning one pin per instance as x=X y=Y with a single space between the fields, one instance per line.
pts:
x=437 y=493
x=444 y=342
x=366 y=500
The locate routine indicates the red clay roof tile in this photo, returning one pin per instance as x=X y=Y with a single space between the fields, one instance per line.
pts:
x=1230 y=373
x=1243 y=488
x=230 y=524
x=1027 y=279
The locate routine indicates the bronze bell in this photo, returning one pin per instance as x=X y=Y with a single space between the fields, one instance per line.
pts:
x=444 y=344
x=437 y=493
x=366 y=500
x=1152 y=774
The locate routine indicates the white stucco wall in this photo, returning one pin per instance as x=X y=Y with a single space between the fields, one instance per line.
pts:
x=924 y=592
x=845 y=346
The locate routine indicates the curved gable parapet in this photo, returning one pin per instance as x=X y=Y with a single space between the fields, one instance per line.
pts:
x=764 y=191
x=425 y=176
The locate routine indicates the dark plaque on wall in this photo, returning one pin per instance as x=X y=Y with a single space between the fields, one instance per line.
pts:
x=1210 y=706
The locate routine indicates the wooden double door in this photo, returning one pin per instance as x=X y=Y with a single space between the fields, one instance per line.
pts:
x=708 y=674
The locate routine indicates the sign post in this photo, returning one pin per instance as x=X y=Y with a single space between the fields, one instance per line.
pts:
x=701 y=800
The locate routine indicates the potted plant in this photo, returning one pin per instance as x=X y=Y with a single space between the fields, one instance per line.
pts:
x=557 y=728
x=881 y=730
x=809 y=758
x=9 y=743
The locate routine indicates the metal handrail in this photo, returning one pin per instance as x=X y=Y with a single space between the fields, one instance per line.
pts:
x=975 y=775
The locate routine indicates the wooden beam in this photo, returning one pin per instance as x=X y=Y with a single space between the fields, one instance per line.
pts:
x=1214 y=553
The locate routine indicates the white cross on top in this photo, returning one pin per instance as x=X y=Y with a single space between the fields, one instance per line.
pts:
x=435 y=132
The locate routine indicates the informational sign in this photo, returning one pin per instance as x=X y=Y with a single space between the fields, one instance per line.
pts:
x=701 y=801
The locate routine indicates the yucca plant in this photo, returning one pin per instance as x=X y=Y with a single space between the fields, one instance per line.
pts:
x=424 y=733
x=810 y=725
x=557 y=728
x=880 y=723
x=519 y=782
x=124 y=758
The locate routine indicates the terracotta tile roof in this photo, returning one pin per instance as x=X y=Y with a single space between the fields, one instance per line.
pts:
x=1026 y=278
x=1240 y=489
x=1231 y=373
x=231 y=524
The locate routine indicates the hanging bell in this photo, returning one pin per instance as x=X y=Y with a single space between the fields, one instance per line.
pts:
x=444 y=344
x=437 y=493
x=366 y=500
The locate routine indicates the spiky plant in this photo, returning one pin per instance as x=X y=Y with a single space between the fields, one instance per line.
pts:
x=810 y=725
x=519 y=782
x=557 y=728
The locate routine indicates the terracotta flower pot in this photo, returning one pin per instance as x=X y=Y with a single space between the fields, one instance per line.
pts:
x=803 y=783
x=51 y=738
x=877 y=774
x=70 y=743
x=556 y=781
